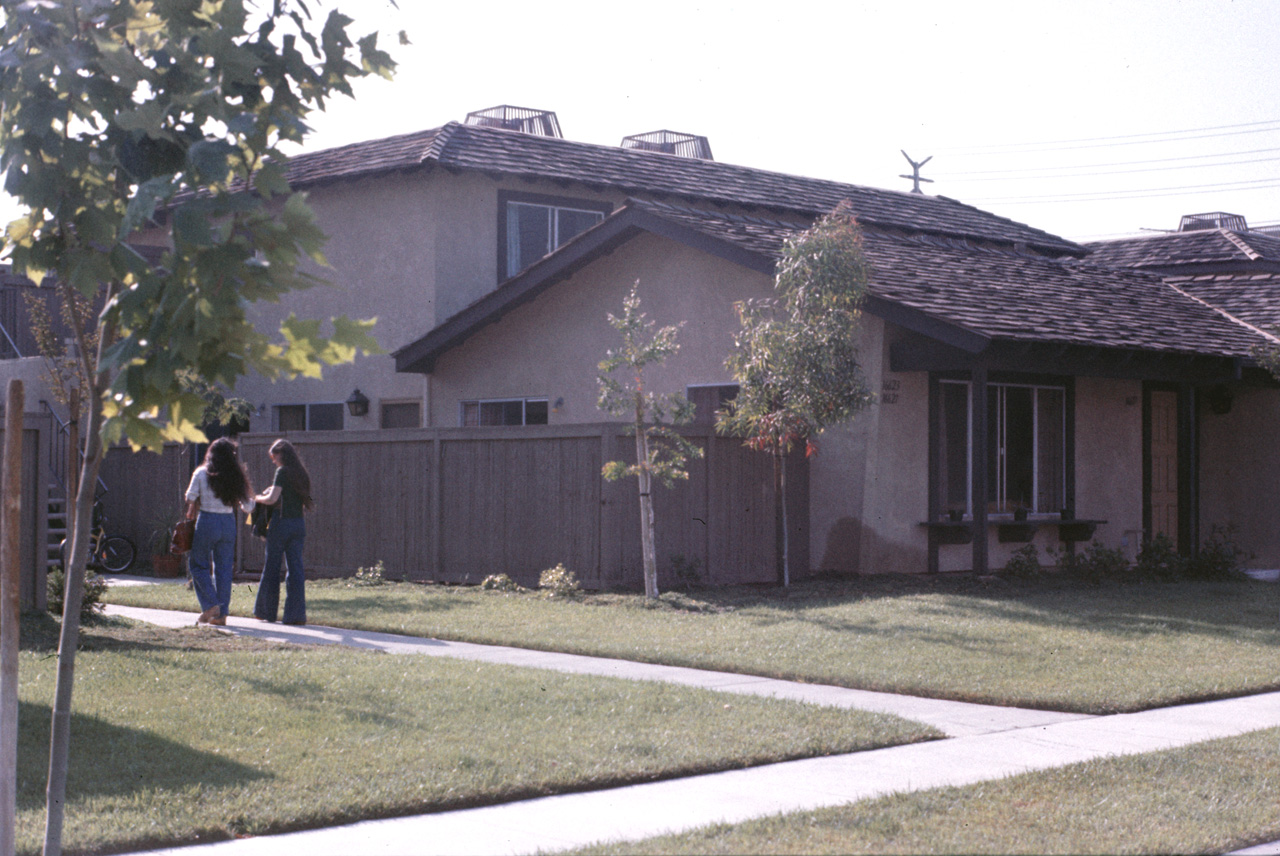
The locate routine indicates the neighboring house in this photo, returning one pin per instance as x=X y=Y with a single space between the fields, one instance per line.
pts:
x=1014 y=377
x=1216 y=258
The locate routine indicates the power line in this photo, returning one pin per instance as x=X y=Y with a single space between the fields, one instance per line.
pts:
x=1014 y=176
x=955 y=176
x=1109 y=195
x=1125 y=140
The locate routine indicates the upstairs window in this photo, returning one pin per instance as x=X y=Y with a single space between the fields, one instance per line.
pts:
x=533 y=226
x=709 y=399
x=504 y=411
x=1026 y=447
x=309 y=417
x=401 y=414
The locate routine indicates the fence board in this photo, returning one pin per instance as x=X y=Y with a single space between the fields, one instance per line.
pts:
x=459 y=504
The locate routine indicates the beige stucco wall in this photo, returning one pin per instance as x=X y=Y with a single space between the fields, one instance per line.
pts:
x=409 y=249
x=549 y=348
x=1240 y=472
x=869 y=481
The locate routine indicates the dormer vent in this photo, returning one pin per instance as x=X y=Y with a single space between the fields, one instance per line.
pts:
x=670 y=143
x=1213 y=220
x=540 y=123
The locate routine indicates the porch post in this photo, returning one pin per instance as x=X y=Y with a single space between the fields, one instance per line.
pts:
x=978 y=456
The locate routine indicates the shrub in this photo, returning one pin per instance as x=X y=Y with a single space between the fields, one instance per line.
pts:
x=368 y=576
x=688 y=572
x=500 y=582
x=94 y=588
x=1096 y=563
x=1159 y=560
x=559 y=582
x=1024 y=563
x=1219 y=556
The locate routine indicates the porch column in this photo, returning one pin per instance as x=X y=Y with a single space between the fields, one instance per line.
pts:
x=978 y=455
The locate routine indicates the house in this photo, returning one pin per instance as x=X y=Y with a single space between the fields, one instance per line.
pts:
x=1025 y=394
x=1216 y=258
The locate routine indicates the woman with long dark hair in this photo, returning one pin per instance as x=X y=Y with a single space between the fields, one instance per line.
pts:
x=290 y=494
x=217 y=487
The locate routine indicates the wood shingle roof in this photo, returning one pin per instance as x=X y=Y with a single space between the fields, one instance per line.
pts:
x=504 y=153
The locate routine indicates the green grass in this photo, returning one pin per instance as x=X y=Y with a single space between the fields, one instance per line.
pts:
x=1047 y=644
x=1208 y=798
x=184 y=735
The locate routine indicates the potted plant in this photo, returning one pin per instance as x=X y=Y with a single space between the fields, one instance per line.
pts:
x=164 y=563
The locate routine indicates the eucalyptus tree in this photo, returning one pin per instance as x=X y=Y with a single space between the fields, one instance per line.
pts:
x=795 y=355
x=661 y=453
x=166 y=116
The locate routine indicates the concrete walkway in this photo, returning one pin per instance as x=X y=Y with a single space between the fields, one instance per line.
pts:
x=985 y=743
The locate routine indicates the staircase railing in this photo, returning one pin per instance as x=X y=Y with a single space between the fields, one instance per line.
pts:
x=58 y=454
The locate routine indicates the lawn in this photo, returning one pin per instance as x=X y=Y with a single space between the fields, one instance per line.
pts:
x=1208 y=798
x=193 y=734
x=1043 y=644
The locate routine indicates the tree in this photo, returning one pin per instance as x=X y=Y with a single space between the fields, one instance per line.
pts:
x=796 y=355
x=661 y=453
x=123 y=115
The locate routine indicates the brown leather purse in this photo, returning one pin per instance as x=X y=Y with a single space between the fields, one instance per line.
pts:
x=184 y=533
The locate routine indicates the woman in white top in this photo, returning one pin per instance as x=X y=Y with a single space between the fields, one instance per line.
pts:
x=217 y=487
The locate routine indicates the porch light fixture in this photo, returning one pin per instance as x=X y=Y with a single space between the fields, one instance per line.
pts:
x=358 y=403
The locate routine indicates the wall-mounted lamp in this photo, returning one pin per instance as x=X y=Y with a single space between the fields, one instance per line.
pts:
x=358 y=403
x=555 y=408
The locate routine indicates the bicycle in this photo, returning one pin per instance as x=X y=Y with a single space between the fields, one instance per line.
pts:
x=112 y=553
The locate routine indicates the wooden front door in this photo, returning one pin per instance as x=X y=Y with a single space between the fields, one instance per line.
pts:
x=1164 y=464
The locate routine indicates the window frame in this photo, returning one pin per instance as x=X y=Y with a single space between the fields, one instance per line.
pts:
x=524 y=410
x=383 y=404
x=997 y=427
x=508 y=197
x=700 y=418
x=307 y=417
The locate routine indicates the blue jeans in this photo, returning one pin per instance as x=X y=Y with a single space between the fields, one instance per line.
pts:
x=285 y=537
x=215 y=539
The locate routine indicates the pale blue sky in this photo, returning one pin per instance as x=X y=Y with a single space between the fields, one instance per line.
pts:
x=835 y=90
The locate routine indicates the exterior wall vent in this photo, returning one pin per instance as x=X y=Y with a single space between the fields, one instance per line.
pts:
x=540 y=123
x=1213 y=220
x=670 y=143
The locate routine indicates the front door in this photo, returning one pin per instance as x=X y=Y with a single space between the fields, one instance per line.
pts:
x=1163 y=451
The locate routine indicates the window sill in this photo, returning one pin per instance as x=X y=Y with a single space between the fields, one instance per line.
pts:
x=1010 y=531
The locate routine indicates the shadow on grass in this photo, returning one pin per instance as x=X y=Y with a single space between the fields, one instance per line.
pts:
x=1216 y=609
x=109 y=759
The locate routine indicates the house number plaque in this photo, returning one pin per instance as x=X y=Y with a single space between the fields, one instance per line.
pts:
x=889 y=391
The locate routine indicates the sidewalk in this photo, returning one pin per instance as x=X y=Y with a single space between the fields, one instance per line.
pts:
x=986 y=743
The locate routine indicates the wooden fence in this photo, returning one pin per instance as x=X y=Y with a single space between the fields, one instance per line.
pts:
x=459 y=504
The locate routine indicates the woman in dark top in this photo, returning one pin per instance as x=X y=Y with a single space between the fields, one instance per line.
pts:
x=290 y=493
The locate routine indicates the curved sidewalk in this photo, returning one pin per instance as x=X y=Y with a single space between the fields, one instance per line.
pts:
x=988 y=743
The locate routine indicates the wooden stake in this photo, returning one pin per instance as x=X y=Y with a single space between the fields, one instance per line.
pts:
x=10 y=587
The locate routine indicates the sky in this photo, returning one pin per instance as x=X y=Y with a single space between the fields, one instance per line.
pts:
x=1088 y=119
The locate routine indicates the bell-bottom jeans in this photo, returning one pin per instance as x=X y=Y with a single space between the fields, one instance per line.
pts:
x=285 y=537
x=215 y=539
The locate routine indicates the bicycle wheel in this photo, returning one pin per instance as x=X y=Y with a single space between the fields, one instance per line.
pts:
x=117 y=554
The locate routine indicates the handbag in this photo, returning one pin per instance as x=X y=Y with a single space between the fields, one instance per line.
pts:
x=185 y=532
x=260 y=519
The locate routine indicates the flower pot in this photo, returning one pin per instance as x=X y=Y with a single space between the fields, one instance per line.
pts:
x=167 y=565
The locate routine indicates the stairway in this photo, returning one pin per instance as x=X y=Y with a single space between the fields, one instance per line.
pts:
x=58 y=525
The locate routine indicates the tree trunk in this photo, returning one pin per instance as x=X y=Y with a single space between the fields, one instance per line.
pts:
x=73 y=595
x=647 y=546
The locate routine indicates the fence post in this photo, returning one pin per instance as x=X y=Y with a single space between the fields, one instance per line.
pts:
x=10 y=587
x=435 y=504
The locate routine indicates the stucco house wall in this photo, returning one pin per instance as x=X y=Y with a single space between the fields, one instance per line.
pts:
x=550 y=347
x=1239 y=471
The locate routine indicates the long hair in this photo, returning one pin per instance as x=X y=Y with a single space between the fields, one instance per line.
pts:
x=295 y=474
x=227 y=477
